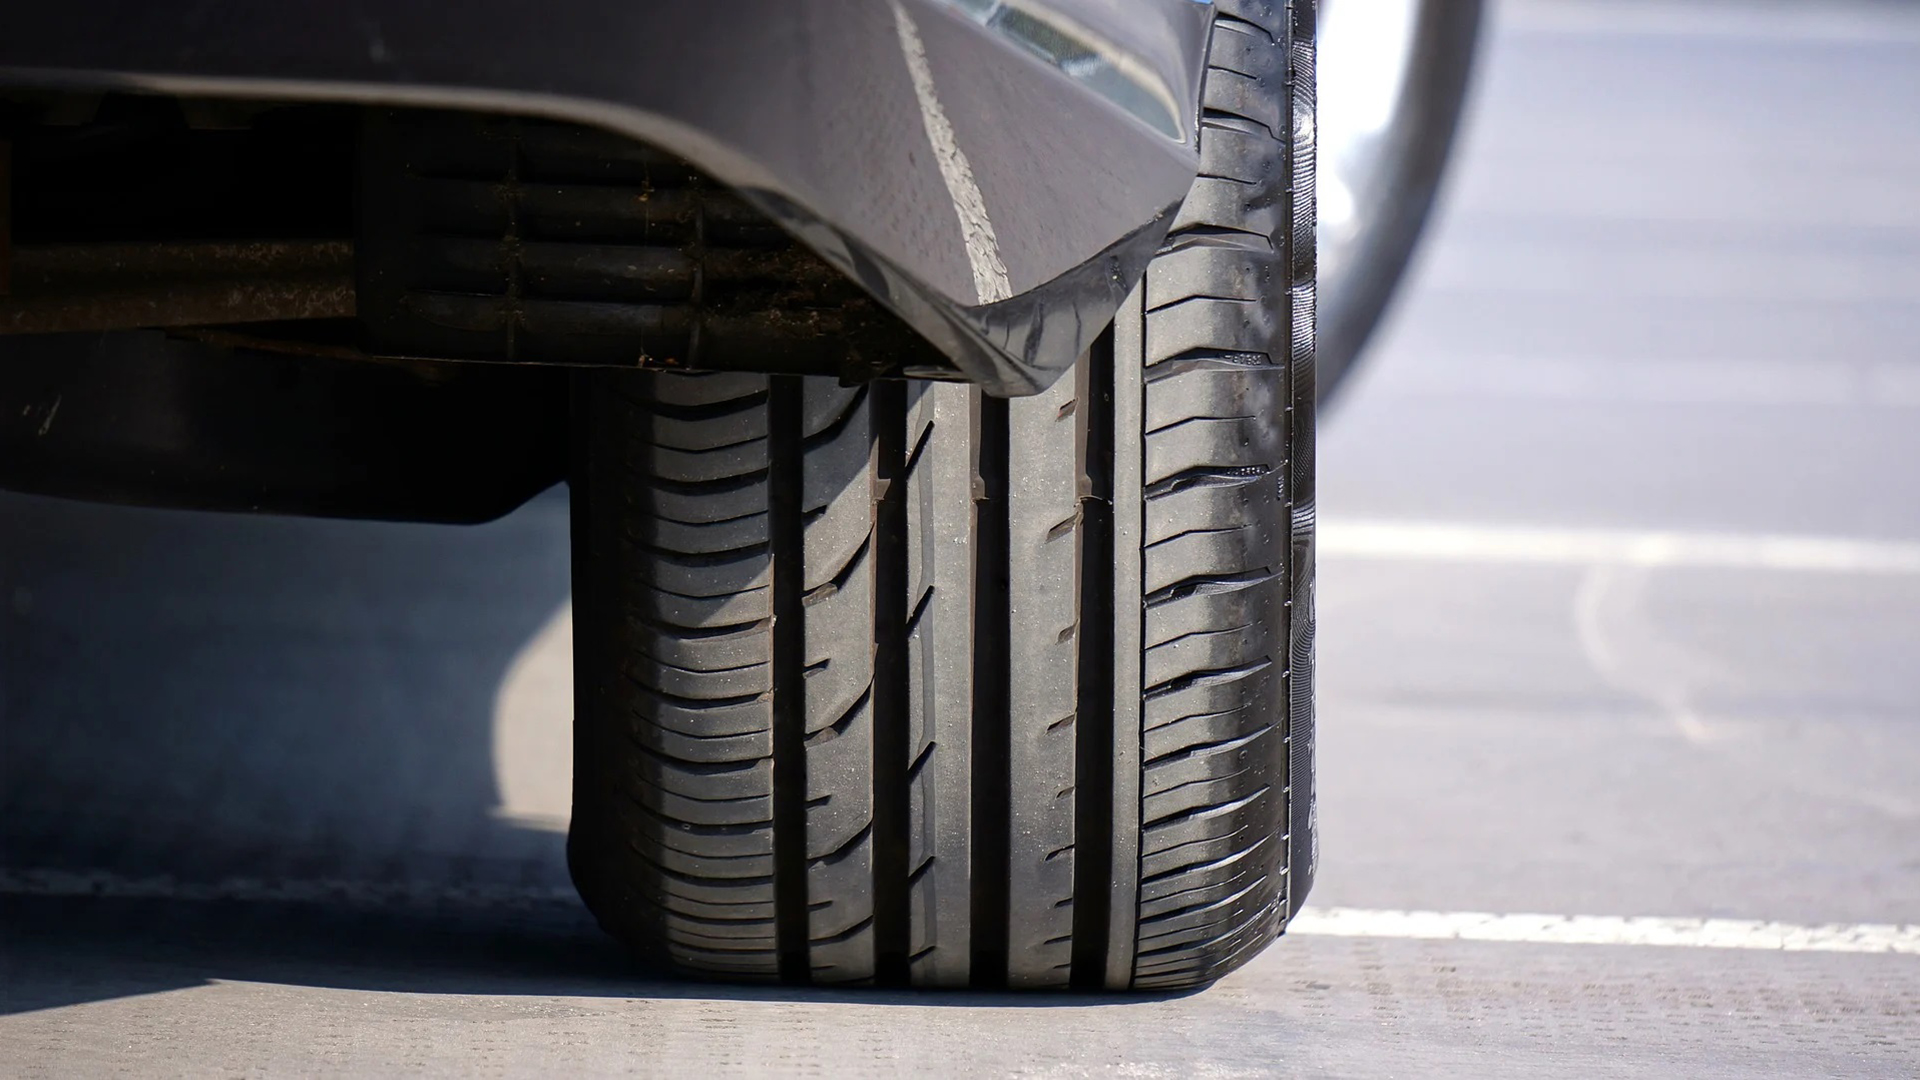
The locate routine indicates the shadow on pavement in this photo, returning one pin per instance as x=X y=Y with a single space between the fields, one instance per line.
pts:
x=61 y=951
x=215 y=695
x=197 y=698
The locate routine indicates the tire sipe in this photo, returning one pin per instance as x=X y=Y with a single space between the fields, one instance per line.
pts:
x=902 y=684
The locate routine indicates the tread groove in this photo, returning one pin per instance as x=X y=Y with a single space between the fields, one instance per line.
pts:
x=892 y=811
x=784 y=422
x=992 y=734
x=1207 y=676
x=1209 y=584
x=1207 y=476
x=1093 y=716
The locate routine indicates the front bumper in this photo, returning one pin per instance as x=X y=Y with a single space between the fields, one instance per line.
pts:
x=997 y=172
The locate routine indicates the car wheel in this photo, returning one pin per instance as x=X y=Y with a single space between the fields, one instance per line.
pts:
x=903 y=684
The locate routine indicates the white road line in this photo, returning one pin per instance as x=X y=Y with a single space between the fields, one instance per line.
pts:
x=1609 y=930
x=1313 y=922
x=1876 y=22
x=1424 y=541
x=990 y=279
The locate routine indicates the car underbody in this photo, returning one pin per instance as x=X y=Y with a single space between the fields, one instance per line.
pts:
x=319 y=260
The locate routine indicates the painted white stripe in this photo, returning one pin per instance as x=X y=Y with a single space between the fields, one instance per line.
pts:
x=1609 y=930
x=1444 y=542
x=1850 y=21
x=990 y=279
x=1883 y=382
x=1314 y=922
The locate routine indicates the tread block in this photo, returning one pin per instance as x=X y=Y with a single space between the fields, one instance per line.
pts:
x=1219 y=202
x=1206 y=323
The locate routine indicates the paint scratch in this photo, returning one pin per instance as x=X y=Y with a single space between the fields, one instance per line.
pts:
x=990 y=281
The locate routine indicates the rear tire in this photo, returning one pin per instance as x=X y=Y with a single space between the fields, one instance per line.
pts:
x=902 y=684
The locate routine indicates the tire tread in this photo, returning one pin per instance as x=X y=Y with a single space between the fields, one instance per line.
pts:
x=876 y=688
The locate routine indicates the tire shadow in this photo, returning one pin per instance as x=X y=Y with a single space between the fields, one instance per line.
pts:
x=194 y=699
x=199 y=697
x=64 y=951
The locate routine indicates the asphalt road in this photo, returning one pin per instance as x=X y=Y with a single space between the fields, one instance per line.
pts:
x=1578 y=657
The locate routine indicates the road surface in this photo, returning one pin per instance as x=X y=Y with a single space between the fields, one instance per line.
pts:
x=1620 y=626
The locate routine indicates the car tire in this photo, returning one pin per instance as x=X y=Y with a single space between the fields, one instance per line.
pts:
x=903 y=684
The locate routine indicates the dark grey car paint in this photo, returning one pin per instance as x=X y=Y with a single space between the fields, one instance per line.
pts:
x=997 y=171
